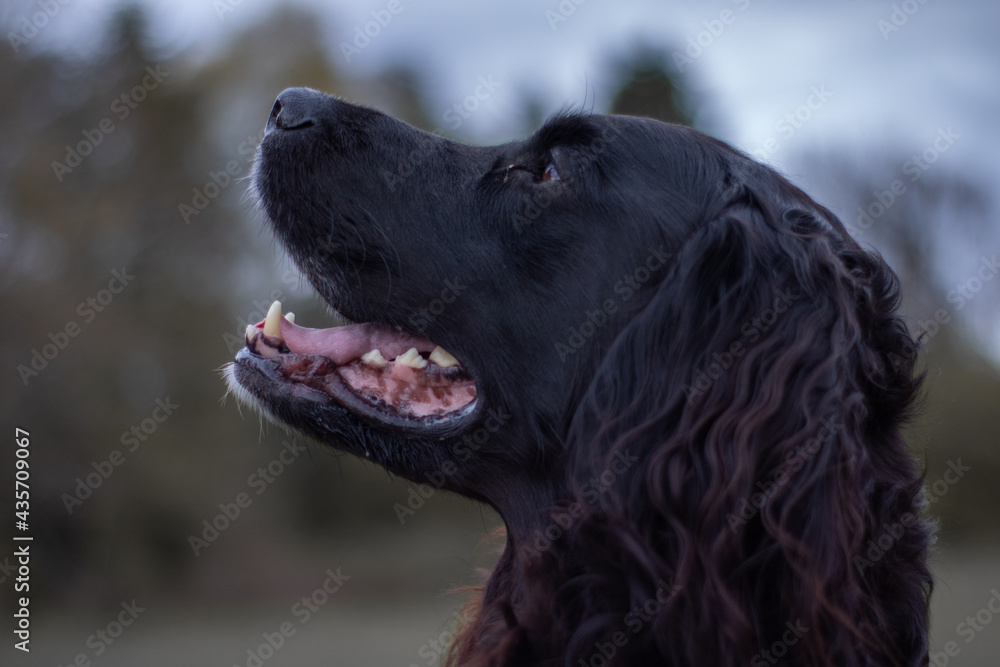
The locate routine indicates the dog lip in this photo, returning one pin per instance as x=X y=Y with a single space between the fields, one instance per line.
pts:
x=271 y=381
x=341 y=362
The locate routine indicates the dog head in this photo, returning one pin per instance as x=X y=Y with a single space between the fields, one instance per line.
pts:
x=623 y=319
x=521 y=261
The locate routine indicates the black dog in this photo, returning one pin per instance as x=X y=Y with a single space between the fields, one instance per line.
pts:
x=674 y=375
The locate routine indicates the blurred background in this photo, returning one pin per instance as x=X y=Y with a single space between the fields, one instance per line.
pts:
x=131 y=262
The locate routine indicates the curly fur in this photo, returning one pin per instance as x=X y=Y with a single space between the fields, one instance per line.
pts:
x=754 y=502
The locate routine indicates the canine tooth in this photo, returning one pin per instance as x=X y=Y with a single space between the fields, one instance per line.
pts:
x=374 y=358
x=272 y=323
x=290 y=317
x=412 y=359
x=251 y=332
x=443 y=358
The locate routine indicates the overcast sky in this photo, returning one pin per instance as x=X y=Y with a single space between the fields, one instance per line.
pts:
x=897 y=81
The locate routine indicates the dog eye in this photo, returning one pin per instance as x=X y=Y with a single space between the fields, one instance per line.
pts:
x=550 y=174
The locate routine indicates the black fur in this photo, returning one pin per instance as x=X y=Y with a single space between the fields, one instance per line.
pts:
x=691 y=382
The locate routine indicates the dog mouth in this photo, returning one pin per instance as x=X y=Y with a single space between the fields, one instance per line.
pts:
x=385 y=375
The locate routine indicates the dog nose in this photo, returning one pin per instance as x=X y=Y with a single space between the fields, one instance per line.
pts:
x=295 y=109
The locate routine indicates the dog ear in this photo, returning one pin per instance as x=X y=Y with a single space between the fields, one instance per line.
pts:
x=740 y=482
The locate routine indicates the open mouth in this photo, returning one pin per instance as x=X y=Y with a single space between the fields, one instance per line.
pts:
x=374 y=370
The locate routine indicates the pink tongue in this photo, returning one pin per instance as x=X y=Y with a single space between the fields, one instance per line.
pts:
x=344 y=344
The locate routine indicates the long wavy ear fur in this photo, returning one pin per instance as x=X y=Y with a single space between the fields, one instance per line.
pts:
x=746 y=495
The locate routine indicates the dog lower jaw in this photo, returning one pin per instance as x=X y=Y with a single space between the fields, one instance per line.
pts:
x=314 y=381
x=385 y=376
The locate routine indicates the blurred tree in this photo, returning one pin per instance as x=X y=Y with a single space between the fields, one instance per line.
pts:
x=650 y=87
x=399 y=89
x=923 y=223
x=533 y=111
x=91 y=189
x=133 y=162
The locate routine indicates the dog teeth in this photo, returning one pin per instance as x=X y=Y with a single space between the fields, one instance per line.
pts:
x=374 y=358
x=412 y=359
x=290 y=317
x=252 y=332
x=443 y=358
x=272 y=323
